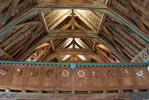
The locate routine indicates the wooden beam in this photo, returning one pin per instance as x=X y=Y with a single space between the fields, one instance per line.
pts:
x=126 y=42
x=52 y=45
x=141 y=52
x=8 y=13
x=81 y=17
x=102 y=20
x=134 y=13
x=79 y=5
x=4 y=3
x=72 y=20
x=67 y=31
x=116 y=45
x=44 y=22
x=71 y=35
x=23 y=14
x=5 y=53
x=111 y=48
x=59 y=19
x=117 y=25
x=130 y=24
x=105 y=55
x=60 y=52
x=27 y=32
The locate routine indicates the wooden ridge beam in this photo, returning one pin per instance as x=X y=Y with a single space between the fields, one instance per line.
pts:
x=73 y=31
x=63 y=5
x=72 y=35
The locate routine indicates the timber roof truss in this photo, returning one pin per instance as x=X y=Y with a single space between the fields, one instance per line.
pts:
x=91 y=31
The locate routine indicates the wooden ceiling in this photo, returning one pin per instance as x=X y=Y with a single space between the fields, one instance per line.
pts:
x=90 y=31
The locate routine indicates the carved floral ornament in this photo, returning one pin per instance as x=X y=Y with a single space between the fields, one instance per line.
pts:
x=18 y=72
x=3 y=71
x=34 y=72
x=125 y=72
x=96 y=73
x=81 y=73
x=111 y=73
x=65 y=73
x=49 y=73
x=139 y=73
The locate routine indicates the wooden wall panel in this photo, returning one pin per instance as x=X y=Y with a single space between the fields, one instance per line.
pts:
x=64 y=77
x=33 y=76
x=126 y=77
x=6 y=75
x=96 y=77
x=141 y=76
x=80 y=79
x=111 y=77
x=49 y=77
x=19 y=73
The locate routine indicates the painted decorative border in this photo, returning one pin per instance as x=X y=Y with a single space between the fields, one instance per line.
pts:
x=4 y=57
x=144 y=57
x=64 y=64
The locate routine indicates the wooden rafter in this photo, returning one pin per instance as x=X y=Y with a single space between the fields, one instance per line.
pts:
x=44 y=22
x=130 y=24
x=5 y=53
